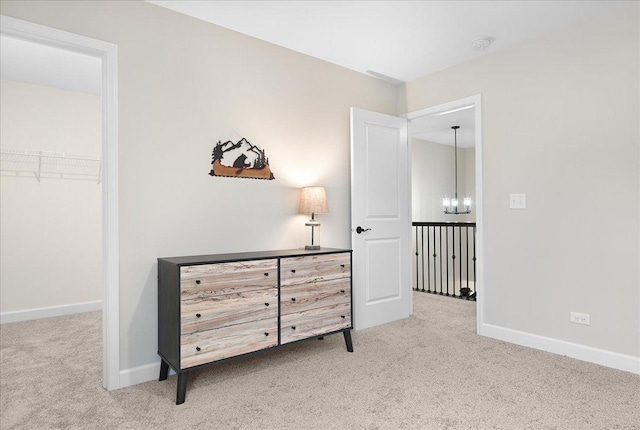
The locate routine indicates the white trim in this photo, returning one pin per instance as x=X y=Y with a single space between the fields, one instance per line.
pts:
x=52 y=311
x=615 y=360
x=108 y=53
x=409 y=181
x=140 y=374
x=476 y=101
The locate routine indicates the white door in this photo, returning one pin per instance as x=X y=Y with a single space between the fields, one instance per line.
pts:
x=380 y=218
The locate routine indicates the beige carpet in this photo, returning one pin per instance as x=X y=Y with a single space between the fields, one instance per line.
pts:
x=427 y=372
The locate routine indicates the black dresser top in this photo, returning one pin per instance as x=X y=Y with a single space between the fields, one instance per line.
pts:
x=243 y=256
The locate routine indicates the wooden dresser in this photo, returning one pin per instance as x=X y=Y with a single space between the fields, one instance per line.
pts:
x=218 y=307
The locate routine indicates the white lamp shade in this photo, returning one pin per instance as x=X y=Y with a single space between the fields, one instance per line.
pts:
x=313 y=200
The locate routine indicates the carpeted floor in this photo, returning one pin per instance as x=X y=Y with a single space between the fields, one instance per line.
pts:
x=429 y=371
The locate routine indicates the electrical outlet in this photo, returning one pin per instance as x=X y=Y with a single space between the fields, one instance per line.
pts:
x=578 y=318
x=517 y=201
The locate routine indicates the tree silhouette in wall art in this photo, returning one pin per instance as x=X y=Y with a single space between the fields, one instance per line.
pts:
x=249 y=161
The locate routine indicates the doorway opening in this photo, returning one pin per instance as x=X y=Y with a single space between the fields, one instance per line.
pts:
x=106 y=53
x=51 y=201
x=448 y=248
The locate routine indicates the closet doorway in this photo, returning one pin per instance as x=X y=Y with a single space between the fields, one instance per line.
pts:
x=51 y=199
x=59 y=179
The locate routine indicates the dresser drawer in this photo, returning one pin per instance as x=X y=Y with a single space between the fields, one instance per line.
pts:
x=226 y=278
x=314 y=322
x=207 y=311
x=211 y=345
x=314 y=268
x=303 y=297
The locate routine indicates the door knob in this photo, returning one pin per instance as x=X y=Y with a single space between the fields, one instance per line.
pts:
x=361 y=230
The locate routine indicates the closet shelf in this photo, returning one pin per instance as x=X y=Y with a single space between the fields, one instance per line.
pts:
x=50 y=165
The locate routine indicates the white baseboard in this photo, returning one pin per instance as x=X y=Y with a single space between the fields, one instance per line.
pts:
x=615 y=360
x=53 y=311
x=140 y=374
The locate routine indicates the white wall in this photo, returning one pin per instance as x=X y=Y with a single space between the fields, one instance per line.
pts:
x=432 y=177
x=561 y=124
x=51 y=230
x=183 y=85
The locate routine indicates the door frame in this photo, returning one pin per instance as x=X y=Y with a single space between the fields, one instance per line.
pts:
x=108 y=53
x=476 y=101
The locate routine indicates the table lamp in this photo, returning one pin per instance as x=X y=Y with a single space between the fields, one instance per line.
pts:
x=313 y=200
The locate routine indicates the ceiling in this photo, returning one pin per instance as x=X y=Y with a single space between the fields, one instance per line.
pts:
x=38 y=64
x=437 y=128
x=402 y=40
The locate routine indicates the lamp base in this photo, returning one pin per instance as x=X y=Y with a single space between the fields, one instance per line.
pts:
x=312 y=247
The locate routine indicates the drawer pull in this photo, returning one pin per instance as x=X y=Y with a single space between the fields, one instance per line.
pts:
x=293 y=270
x=198 y=348
x=197 y=281
x=266 y=334
x=293 y=299
x=342 y=265
x=293 y=327
x=342 y=291
x=342 y=316
x=266 y=304
x=266 y=273
x=198 y=315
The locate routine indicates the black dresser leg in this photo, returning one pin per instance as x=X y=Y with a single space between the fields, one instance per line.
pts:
x=347 y=340
x=182 y=387
x=164 y=370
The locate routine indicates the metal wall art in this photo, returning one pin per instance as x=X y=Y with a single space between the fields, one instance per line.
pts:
x=249 y=161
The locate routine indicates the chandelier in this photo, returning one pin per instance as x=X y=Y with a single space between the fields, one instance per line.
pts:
x=449 y=205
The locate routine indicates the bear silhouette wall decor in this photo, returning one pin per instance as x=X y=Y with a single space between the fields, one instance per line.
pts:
x=249 y=160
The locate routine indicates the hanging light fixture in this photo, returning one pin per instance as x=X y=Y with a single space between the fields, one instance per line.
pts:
x=450 y=206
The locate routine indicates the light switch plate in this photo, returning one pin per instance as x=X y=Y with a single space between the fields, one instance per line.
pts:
x=517 y=201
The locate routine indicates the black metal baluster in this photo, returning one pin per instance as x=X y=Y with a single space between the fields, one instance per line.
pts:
x=466 y=230
x=428 y=264
x=417 y=265
x=474 y=263
x=453 y=259
x=461 y=262
x=435 y=282
x=446 y=231
x=440 y=229
x=460 y=243
x=422 y=251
